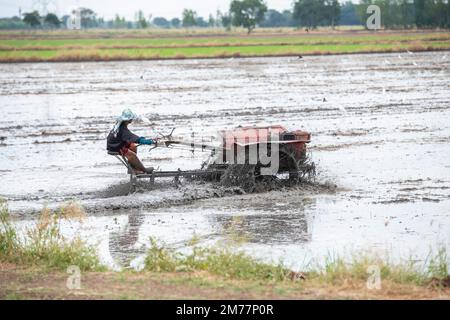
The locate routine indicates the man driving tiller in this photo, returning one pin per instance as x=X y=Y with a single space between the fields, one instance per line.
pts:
x=124 y=142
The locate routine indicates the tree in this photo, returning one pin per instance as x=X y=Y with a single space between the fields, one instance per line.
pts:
x=448 y=14
x=52 y=20
x=211 y=21
x=277 y=19
x=333 y=12
x=119 y=22
x=88 y=18
x=247 y=13
x=12 y=23
x=309 y=13
x=406 y=13
x=439 y=14
x=141 y=21
x=287 y=16
x=175 y=22
x=101 y=22
x=313 y=13
x=189 y=18
x=420 y=12
x=161 y=22
x=273 y=18
x=200 y=22
x=33 y=19
x=225 y=19
x=348 y=15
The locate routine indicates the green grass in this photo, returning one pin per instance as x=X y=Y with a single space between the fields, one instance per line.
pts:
x=44 y=246
x=224 y=41
x=206 y=52
x=335 y=271
x=13 y=296
x=218 y=261
x=124 y=46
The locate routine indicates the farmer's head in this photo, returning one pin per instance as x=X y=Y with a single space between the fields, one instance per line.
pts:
x=128 y=116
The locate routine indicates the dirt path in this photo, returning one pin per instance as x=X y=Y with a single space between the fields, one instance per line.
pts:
x=22 y=283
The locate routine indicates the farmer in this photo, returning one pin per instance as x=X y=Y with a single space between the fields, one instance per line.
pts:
x=123 y=141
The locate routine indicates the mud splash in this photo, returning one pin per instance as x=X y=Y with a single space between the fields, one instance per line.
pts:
x=166 y=194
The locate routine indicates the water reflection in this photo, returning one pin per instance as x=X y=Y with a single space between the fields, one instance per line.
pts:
x=267 y=223
x=267 y=229
x=123 y=244
x=259 y=221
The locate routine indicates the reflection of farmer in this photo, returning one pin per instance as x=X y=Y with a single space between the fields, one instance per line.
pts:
x=122 y=243
x=123 y=141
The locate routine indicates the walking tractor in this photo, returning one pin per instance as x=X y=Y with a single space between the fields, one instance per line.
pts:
x=243 y=157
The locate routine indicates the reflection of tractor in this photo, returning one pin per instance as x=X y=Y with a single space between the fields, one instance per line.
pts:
x=268 y=228
x=251 y=148
x=244 y=157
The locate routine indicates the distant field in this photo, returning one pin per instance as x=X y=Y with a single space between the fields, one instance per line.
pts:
x=139 y=45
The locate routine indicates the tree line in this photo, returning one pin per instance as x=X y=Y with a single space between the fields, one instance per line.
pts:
x=249 y=14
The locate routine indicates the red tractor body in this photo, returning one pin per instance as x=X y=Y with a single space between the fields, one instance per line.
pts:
x=292 y=141
x=242 y=141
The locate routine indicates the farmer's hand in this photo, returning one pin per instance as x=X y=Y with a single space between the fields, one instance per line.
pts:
x=156 y=141
x=142 y=140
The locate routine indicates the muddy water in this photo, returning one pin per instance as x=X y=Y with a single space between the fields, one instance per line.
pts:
x=380 y=127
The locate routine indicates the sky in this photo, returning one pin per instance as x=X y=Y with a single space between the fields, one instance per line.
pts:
x=128 y=8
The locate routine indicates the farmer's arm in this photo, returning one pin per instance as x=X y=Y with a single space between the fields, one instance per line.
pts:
x=129 y=136
x=142 y=140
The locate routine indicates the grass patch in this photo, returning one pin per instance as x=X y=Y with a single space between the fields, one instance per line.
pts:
x=335 y=271
x=211 y=52
x=43 y=245
x=13 y=296
x=117 y=45
x=218 y=261
x=161 y=43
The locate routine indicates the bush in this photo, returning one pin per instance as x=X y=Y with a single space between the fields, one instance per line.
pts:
x=44 y=245
x=218 y=261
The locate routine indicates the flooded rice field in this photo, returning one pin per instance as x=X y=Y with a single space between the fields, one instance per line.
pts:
x=380 y=139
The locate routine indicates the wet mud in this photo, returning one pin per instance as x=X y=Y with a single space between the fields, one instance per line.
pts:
x=380 y=134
